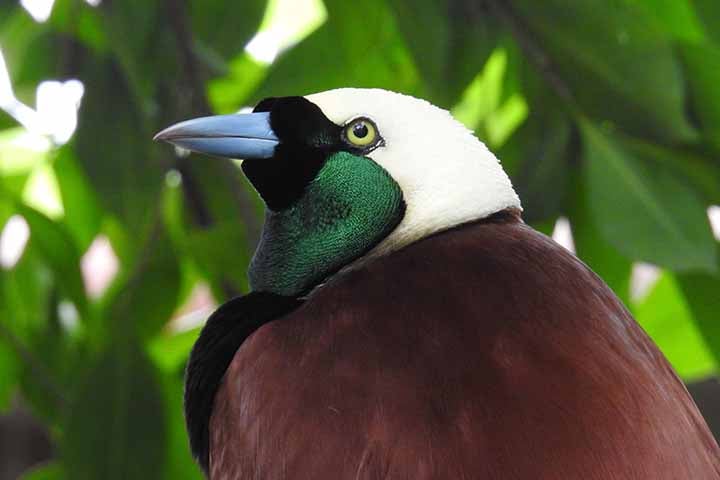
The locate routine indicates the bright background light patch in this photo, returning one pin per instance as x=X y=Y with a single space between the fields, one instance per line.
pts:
x=40 y=10
x=13 y=239
x=286 y=22
x=714 y=216
x=562 y=234
x=55 y=114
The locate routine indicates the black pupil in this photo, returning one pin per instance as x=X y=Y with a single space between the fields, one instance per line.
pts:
x=360 y=130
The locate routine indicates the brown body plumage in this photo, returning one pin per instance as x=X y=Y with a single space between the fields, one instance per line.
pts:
x=483 y=352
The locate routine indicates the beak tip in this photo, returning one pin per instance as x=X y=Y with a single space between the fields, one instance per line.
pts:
x=160 y=136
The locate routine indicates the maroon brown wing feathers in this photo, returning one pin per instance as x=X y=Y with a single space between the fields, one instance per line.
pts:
x=485 y=352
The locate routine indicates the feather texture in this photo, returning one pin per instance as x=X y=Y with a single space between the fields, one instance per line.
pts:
x=482 y=352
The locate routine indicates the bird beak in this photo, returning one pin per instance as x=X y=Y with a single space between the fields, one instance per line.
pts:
x=244 y=136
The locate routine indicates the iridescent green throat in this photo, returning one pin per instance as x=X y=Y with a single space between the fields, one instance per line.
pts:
x=350 y=206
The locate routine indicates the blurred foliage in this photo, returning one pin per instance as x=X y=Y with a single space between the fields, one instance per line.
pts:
x=603 y=112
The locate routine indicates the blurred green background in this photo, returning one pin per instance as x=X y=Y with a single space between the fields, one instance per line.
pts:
x=114 y=249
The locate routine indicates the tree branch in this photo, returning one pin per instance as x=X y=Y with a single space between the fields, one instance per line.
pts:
x=193 y=83
x=532 y=50
x=192 y=76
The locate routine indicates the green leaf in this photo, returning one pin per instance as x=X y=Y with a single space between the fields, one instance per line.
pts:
x=225 y=30
x=29 y=328
x=230 y=93
x=539 y=150
x=693 y=166
x=144 y=301
x=604 y=259
x=346 y=52
x=678 y=17
x=221 y=253
x=9 y=370
x=25 y=296
x=647 y=214
x=16 y=156
x=175 y=224
x=450 y=41
x=492 y=105
x=136 y=42
x=483 y=95
x=82 y=210
x=171 y=350
x=59 y=250
x=616 y=60
x=115 y=150
x=219 y=234
x=702 y=294
x=665 y=317
x=709 y=12
x=116 y=423
x=17 y=163
x=49 y=471
x=29 y=49
x=82 y=21
x=285 y=23
x=179 y=464
x=702 y=63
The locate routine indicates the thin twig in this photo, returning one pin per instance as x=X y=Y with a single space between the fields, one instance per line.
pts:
x=190 y=65
x=532 y=50
x=200 y=105
x=194 y=84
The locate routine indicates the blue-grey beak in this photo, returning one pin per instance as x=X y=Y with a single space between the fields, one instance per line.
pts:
x=243 y=136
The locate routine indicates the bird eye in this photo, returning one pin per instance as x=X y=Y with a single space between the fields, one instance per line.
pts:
x=361 y=133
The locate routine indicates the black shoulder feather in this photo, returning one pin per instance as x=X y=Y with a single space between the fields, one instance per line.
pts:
x=224 y=332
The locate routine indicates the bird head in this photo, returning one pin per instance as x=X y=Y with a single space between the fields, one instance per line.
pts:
x=349 y=173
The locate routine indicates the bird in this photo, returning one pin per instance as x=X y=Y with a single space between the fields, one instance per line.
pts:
x=404 y=322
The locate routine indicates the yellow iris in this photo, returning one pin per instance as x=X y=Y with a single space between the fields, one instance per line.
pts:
x=361 y=133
